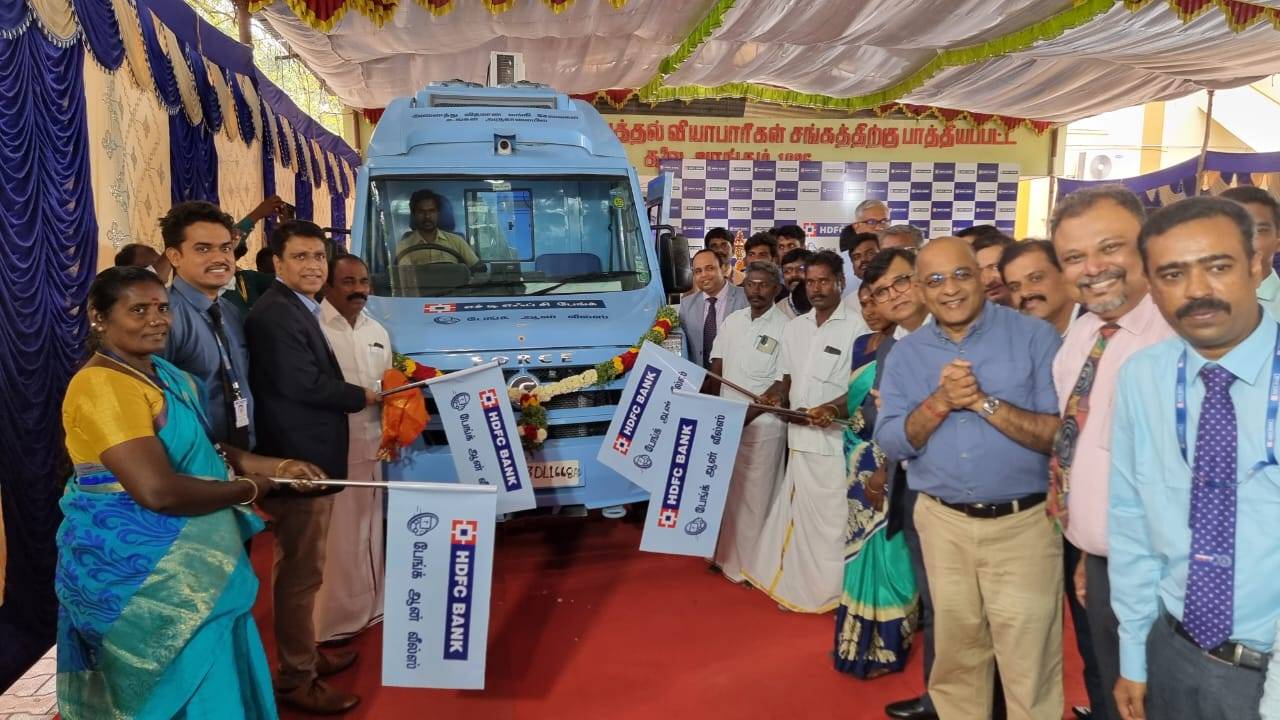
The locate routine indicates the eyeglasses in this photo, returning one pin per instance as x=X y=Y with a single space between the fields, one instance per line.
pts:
x=899 y=285
x=936 y=280
x=874 y=222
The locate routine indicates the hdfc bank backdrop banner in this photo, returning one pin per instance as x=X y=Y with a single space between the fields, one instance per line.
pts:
x=481 y=428
x=696 y=458
x=439 y=568
x=821 y=196
x=644 y=415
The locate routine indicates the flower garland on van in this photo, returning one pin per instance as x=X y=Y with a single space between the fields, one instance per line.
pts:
x=532 y=423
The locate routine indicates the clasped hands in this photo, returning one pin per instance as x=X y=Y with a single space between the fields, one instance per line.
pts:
x=820 y=416
x=958 y=388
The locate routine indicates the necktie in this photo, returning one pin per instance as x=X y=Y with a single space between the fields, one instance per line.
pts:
x=708 y=331
x=1207 y=614
x=1064 y=441
x=236 y=436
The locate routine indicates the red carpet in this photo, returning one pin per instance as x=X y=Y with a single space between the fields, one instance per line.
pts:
x=583 y=624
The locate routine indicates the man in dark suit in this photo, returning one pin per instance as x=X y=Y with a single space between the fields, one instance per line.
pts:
x=702 y=314
x=301 y=411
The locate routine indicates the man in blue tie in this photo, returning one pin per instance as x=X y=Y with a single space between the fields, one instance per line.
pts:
x=1195 y=488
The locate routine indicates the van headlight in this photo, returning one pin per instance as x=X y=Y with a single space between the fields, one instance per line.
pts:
x=674 y=343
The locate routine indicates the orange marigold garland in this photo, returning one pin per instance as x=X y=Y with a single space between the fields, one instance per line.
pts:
x=531 y=426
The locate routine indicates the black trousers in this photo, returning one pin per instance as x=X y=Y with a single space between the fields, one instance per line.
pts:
x=1105 y=631
x=1183 y=682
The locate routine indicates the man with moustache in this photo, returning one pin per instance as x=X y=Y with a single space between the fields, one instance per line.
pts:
x=1095 y=236
x=800 y=554
x=1265 y=211
x=302 y=408
x=903 y=236
x=351 y=598
x=746 y=354
x=989 y=249
x=1031 y=271
x=790 y=237
x=427 y=242
x=795 y=303
x=890 y=278
x=862 y=248
x=1194 y=483
x=969 y=401
x=207 y=338
x=702 y=314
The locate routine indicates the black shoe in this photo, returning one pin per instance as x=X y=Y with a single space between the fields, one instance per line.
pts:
x=912 y=709
x=1082 y=712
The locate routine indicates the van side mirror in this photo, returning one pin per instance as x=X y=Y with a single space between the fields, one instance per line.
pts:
x=673 y=260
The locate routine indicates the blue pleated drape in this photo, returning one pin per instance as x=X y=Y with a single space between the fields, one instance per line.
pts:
x=48 y=255
x=337 y=206
x=269 y=146
x=193 y=161
x=301 y=185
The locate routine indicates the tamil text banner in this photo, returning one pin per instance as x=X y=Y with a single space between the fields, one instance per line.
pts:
x=439 y=569
x=481 y=428
x=696 y=465
x=644 y=414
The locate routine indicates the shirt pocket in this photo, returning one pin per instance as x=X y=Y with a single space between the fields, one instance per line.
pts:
x=1008 y=379
x=760 y=363
x=824 y=365
x=1165 y=489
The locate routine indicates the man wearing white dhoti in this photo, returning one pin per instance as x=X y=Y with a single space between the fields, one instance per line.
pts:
x=800 y=554
x=746 y=354
x=351 y=598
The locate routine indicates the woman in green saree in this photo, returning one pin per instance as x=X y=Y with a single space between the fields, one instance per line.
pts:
x=876 y=616
x=154 y=584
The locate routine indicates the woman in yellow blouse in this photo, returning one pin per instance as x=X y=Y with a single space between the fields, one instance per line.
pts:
x=154 y=583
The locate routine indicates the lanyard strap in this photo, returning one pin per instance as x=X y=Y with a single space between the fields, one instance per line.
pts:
x=1273 y=407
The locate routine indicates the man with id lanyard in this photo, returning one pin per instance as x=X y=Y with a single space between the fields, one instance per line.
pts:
x=1195 y=489
x=800 y=554
x=746 y=354
x=207 y=336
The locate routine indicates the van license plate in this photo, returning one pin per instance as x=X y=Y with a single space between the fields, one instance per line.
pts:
x=555 y=474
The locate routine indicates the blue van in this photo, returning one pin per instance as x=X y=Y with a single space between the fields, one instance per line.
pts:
x=506 y=223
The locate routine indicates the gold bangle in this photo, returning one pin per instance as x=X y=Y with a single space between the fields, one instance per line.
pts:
x=253 y=485
x=280 y=467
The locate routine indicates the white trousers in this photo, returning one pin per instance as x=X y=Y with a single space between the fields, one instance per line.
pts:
x=350 y=599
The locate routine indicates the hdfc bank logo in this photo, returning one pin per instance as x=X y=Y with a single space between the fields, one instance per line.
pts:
x=488 y=398
x=622 y=445
x=667 y=518
x=431 y=308
x=463 y=532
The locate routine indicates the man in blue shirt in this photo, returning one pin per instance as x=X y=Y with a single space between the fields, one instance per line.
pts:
x=207 y=336
x=968 y=400
x=1195 y=489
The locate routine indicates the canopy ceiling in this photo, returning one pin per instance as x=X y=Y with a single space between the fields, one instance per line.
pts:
x=1055 y=60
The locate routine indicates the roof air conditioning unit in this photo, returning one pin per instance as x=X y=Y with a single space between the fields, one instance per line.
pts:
x=1093 y=165
x=505 y=68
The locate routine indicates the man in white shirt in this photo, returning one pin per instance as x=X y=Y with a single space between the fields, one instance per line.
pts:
x=800 y=555
x=746 y=354
x=1265 y=211
x=702 y=314
x=794 y=264
x=351 y=597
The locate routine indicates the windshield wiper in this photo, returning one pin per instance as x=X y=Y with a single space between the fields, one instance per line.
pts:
x=586 y=277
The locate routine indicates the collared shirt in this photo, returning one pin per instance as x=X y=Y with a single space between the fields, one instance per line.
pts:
x=1076 y=313
x=424 y=256
x=786 y=308
x=819 y=359
x=1149 y=534
x=967 y=459
x=364 y=354
x=749 y=350
x=1141 y=327
x=312 y=306
x=902 y=331
x=1269 y=294
x=192 y=347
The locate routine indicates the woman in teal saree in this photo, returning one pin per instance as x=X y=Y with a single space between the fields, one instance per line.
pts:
x=876 y=616
x=154 y=584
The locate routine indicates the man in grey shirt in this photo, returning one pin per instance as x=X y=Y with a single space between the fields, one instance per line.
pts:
x=207 y=336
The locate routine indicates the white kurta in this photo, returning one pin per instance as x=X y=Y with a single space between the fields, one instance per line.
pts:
x=351 y=597
x=800 y=555
x=749 y=351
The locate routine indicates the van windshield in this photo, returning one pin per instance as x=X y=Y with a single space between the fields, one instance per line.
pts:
x=476 y=236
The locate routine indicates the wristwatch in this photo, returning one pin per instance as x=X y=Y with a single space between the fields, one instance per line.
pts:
x=990 y=405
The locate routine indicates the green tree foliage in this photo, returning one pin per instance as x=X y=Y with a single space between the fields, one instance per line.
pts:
x=275 y=61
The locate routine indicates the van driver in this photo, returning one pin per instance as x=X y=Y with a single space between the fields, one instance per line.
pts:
x=426 y=243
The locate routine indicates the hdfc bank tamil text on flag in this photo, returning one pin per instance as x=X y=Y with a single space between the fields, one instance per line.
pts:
x=481 y=427
x=439 y=570
x=644 y=414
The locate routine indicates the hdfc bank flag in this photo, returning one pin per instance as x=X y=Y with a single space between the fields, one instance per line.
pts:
x=481 y=427
x=439 y=569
